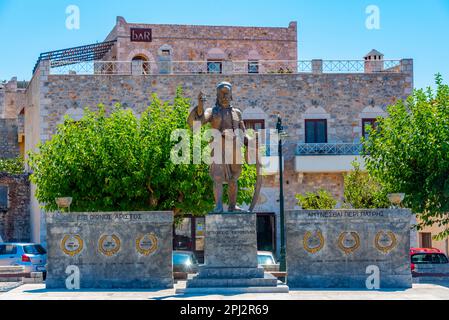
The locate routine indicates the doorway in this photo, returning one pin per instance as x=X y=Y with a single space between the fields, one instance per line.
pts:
x=266 y=232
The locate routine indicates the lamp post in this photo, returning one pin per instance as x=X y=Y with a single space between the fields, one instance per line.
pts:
x=282 y=260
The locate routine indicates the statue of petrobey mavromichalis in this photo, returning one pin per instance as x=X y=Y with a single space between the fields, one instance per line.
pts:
x=228 y=120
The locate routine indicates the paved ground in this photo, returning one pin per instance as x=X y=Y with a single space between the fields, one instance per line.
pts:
x=418 y=292
x=6 y=286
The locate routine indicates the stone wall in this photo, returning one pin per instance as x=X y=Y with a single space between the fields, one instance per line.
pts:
x=199 y=43
x=15 y=221
x=9 y=145
x=344 y=97
x=343 y=248
x=33 y=135
x=12 y=100
x=111 y=249
x=2 y=100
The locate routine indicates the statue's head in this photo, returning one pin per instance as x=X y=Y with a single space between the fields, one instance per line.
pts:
x=224 y=94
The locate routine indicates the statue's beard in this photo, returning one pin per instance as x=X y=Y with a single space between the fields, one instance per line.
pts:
x=226 y=104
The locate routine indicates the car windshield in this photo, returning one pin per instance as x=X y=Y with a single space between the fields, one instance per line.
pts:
x=34 y=249
x=422 y=258
x=265 y=259
x=7 y=249
x=183 y=258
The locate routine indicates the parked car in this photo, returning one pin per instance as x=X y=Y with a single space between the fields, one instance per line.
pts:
x=185 y=262
x=427 y=256
x=266 y=260
x=31 y=256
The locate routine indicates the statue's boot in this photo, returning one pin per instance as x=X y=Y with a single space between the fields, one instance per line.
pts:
x=218 y=209
x=236 y=209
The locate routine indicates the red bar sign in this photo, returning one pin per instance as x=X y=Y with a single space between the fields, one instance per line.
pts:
x=141 y=35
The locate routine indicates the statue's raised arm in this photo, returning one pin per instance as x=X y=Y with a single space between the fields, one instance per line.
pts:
x=198 y=113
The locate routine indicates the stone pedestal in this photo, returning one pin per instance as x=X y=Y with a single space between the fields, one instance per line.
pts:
x=110 y=250
x=231 y=258
x=348 y=248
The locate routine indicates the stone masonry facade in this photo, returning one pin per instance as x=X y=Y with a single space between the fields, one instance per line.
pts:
x=15 y=219
x=12 y=102
x=199 y=43
x=343 y=96
x=9 y=147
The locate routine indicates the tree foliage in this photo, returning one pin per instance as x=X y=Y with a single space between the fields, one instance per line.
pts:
x=12 y=166
x=409 y=153
x=110 y=161
x=320 y=200
x=361 y=190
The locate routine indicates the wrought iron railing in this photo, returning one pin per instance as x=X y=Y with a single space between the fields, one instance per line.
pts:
x=359 y=66
x=311 y=149
x=226 y=67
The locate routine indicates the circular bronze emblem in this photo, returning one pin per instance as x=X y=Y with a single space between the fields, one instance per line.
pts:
x=348 y=244
x=109 y=245
x=385 y=241
x=313 y=243
x=147 y=244
x=72 y=244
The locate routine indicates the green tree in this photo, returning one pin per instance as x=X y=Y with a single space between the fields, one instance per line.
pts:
x=13 y=166
x=409 y=153
x=363 y=191
x=116 y=161
x=320 y=200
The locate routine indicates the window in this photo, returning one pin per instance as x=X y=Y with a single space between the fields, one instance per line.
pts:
x=145 y=65
x=36 y=249
x=253 y=66
x=7 y=249
x=255 y=124
x=3 y=197
x=368 y=123
x=422 y=258
x=165 y=52
x=316 y=131
x=214 y=67
x=425 y=239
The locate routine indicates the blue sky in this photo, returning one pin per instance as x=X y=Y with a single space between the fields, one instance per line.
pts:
x=327 y=29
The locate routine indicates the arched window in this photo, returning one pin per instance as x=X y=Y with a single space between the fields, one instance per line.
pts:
x=141 y=63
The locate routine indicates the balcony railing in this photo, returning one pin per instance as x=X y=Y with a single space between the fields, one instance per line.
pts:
x=312 y=149
x=357 y=66
x=225 y=67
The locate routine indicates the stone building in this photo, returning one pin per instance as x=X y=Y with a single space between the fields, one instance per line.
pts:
x=12 y=108
x=325 y=105
x=14 y=188
x=14 y=207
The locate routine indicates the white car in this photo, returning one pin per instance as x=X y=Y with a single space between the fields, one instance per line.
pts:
x=266 y=260
x=31 y=256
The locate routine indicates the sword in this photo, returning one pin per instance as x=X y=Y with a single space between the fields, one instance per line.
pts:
x=258 y=184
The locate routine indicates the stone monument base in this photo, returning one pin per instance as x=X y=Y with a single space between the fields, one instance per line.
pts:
x=348 y=248
x=110 y=250
x=233 y=280
x=231 y=259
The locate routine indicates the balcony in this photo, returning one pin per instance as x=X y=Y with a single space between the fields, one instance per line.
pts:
x=99 y=67
x=327 y=157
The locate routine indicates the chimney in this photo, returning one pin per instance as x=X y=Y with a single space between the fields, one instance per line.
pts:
x=374 y=61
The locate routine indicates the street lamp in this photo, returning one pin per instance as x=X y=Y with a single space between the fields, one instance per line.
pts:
x=282 y=258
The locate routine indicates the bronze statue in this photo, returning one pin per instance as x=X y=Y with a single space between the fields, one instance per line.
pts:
x=227 y=119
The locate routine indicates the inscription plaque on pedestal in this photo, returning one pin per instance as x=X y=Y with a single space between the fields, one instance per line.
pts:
x=231 y=258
